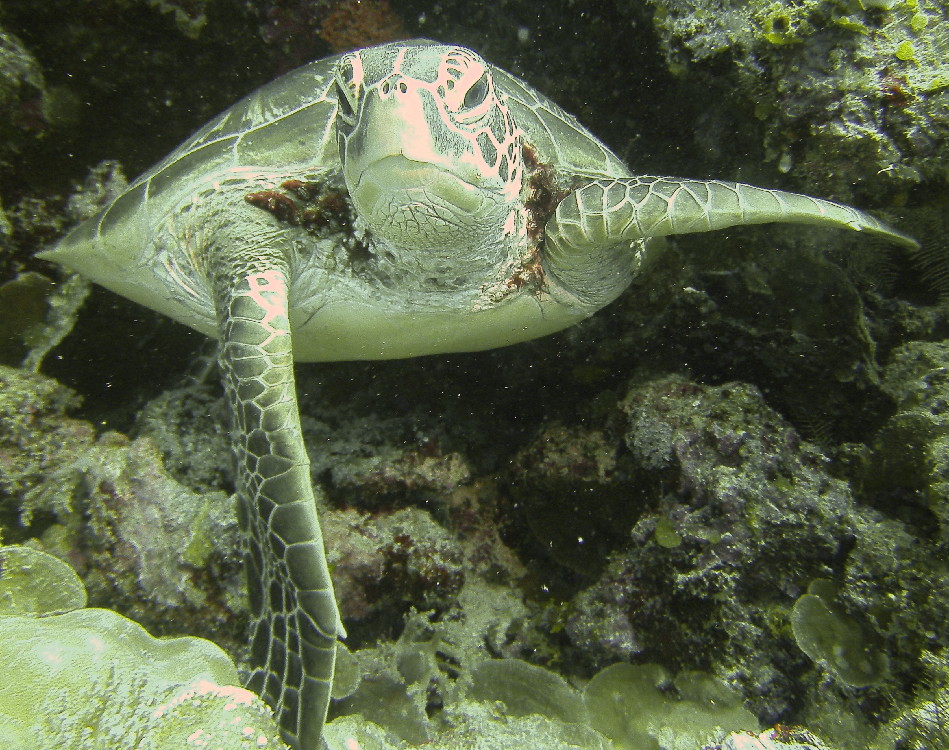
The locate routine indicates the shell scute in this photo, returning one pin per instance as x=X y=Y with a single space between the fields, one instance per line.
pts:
x=121 y=210
x=292 y=139
x=304 y=90
x=176 y=176
x=557 y=137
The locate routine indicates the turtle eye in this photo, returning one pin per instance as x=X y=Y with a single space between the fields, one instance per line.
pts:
x=477 y=93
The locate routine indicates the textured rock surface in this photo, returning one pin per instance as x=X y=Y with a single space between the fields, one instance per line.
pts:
x=839 y=83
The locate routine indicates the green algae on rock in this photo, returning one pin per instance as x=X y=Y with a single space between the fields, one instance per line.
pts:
x=93 y=678
x=828 y=636
x=33 y=583
x=847 y=88
x=925 y=722
x=36 y=437
x=627 y=703
x=912 y=449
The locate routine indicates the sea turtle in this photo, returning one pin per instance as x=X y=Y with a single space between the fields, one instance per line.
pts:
x=395 y=201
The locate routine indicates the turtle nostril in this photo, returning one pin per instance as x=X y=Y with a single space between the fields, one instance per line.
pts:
x=345 y=105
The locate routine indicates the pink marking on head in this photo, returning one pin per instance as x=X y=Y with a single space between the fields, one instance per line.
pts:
x=494 y=140
x=449 y=108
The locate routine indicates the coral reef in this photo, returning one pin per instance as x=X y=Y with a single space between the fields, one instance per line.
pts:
x=189 y=426
x=741 y=511
x=510 y=703
x=154 y=547
x=385 y=564
x=295 y=26
x=35 y=436
x=366 y=464
x=925 y=724
x=638 y=489
x=151 y=544
x=32 y=583
x=141 y=540
x=843 y=85
x=912 y=448
x=22 y=93
x=744 y=516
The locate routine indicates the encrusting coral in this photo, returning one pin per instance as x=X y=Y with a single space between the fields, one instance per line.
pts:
x=76 y=677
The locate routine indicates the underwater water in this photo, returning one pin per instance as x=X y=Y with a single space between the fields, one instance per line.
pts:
x=718 y=505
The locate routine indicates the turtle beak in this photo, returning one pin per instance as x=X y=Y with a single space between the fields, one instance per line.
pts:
x=399 y=124
x=395 y=168
x=400 y=180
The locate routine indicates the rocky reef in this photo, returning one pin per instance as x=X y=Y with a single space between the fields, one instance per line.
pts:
x=720 y=505
x=862 y=84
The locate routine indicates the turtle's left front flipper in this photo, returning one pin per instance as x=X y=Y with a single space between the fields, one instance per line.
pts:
x=295 y=621
x=592 y=226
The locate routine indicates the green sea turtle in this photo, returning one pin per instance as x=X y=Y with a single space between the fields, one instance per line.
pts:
x=395 y=201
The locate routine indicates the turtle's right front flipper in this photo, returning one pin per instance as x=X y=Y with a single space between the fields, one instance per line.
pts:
x=295 y=622
x=603 y=217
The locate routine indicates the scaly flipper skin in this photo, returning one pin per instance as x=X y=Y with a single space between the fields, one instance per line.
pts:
x=295 y=621
x=581 y=237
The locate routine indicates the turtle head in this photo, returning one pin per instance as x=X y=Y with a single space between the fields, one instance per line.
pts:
x=430 y=153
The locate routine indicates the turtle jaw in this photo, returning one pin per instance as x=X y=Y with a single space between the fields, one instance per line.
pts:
x=420 y=205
